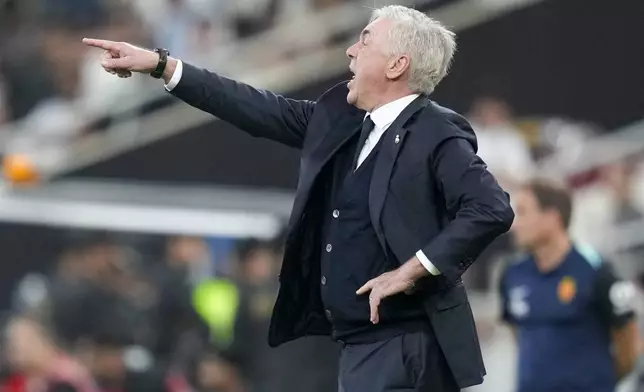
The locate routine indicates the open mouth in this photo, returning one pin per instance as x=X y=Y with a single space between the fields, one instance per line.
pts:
x=351 y=80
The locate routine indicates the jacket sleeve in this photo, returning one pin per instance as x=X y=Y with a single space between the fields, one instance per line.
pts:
x=259 y=112
x=478 y=208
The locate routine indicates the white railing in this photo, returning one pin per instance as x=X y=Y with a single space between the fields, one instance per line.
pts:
x=158 y=209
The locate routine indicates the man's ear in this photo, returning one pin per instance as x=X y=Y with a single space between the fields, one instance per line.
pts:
x=398 y=66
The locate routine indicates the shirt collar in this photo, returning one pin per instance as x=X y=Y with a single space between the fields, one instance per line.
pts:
x=386 y=114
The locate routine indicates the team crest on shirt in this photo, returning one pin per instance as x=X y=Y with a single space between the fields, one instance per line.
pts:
x=567 y=289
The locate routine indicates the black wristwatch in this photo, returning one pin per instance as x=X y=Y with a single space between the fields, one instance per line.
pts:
x=163 y=61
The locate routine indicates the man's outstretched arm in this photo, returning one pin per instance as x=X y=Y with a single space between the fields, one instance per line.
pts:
x=258 y=112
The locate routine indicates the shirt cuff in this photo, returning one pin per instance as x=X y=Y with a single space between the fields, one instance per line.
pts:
x=176 y=76
x=427 y=264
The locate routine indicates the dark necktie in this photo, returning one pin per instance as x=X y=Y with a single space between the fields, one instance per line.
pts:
x=367 y=127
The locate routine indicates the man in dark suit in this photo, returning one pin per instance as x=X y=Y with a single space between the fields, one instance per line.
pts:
x=392 y=203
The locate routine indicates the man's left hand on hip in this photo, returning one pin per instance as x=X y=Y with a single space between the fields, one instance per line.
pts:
x=390 y=283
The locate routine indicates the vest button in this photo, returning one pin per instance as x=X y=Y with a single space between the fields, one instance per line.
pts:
x=336 y=213
x=323 y=280
x=328 y=247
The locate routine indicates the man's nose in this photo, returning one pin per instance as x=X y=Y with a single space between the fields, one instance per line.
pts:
x=351 y=51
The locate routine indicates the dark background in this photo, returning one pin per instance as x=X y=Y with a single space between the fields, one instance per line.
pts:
x=585 y=62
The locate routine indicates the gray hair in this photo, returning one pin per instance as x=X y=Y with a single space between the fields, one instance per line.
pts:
x=429 y=45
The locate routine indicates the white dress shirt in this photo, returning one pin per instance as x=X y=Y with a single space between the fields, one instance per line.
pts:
x=382 y=118
x=176 y=76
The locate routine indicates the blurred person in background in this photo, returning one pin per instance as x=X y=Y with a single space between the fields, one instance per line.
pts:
x=572 y=316
x=179 y=327
x=500 y=143
x=214 y=374
x=81 y=267
x=188 y=259
x=507 y=155
x=42 y=364
x=403 y=233
x=96 y=285
x=289 y=368
x=187 y=27
x=257 y=289
x=620 y=178
x=26 y=80
x=559 y=141
x=176 y=26
x=97 y=96
x=119 y=366
x=196 y=310
x=611 y=200
x=297 y=11
x=57 y=98
x=251 y=17
x=56 y=116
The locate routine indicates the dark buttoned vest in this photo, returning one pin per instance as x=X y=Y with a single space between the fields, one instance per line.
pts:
x=352 y=255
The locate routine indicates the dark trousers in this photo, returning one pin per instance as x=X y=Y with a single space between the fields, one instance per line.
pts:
x=412 y=362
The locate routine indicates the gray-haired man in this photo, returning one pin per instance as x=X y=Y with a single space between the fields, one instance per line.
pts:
x=392 y=204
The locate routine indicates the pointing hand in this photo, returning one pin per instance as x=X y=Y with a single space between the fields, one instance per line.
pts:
x=122 y=59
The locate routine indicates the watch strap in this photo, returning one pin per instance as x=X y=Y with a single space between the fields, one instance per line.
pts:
x=163 y=62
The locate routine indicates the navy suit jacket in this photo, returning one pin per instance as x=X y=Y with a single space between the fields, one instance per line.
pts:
x=429 y=191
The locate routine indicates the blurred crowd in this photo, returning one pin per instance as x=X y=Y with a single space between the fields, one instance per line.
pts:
x=191 y=317
x=52 y=89
x=606 y=195
x=191 y=314
x=608 y=210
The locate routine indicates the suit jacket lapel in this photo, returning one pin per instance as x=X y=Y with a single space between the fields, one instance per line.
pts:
x=392 y=142
x=339 y=134
x=340 y=131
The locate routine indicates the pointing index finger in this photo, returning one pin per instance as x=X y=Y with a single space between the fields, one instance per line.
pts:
x=100 y=43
